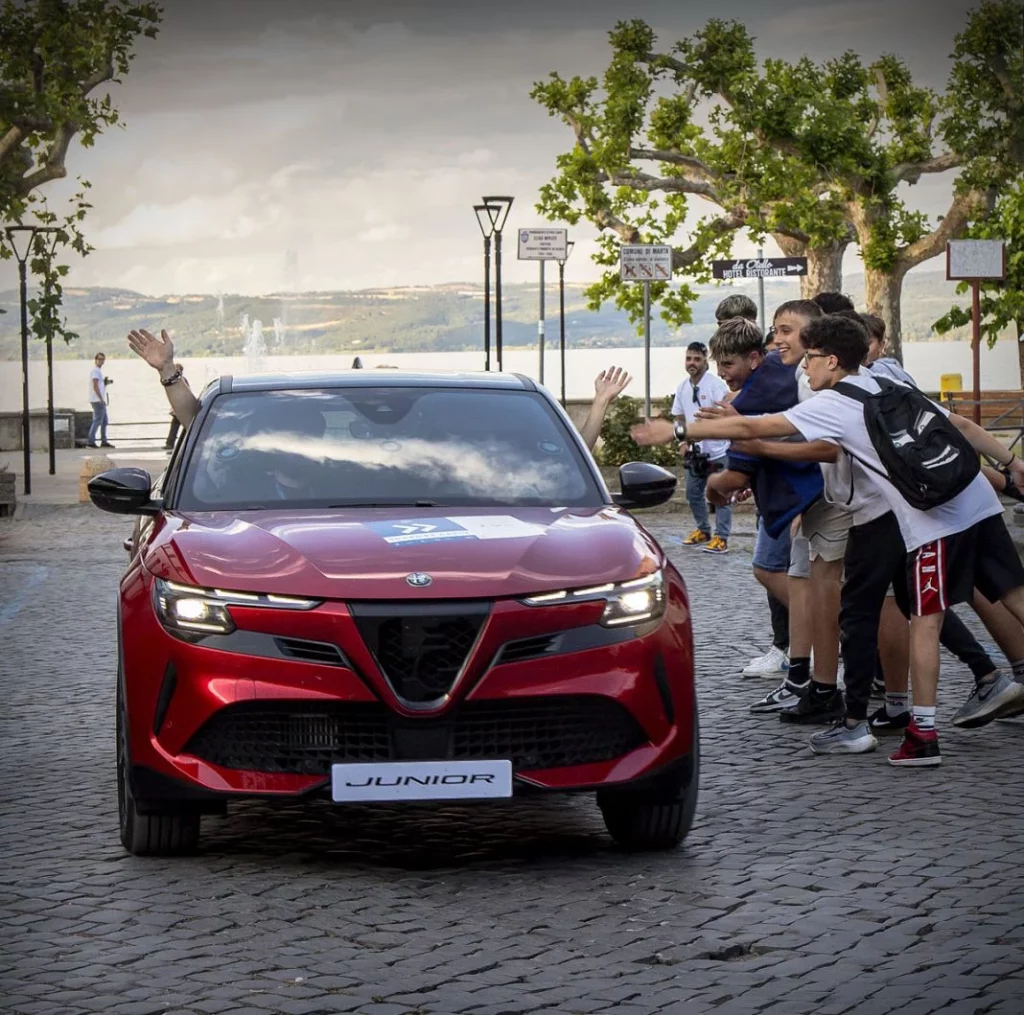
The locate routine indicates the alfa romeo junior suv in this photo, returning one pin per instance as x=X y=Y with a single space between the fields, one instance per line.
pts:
x=379 y=588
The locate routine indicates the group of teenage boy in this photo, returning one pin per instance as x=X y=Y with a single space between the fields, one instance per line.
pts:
x=874 y=518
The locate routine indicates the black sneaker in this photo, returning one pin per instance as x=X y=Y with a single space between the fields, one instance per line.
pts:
x=877 y=688
x=816 y=710
x=882 y=722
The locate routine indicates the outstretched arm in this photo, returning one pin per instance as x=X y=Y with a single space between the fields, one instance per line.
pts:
x=660 y=431
x=607 y=385
x=983 y=442
x=159 y=354
x=788 y=451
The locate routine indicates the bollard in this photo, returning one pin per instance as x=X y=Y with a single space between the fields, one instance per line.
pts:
x=92 y=466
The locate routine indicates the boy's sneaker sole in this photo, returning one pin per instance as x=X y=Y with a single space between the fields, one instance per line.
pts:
x=931 y=762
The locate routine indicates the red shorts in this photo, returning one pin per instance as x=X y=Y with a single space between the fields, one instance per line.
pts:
x=947 y=571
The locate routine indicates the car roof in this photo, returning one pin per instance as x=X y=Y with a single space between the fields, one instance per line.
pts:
x=376 y=377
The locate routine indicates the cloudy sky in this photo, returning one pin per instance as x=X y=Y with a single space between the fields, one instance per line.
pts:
x=336 y=144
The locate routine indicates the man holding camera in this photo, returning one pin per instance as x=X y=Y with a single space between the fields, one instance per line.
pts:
x=700 y=390
x=98 y=402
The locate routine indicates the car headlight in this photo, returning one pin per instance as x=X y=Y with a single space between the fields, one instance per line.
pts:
x=190 y=612
x=632 y=602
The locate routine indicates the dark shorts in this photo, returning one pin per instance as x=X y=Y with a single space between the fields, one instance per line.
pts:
x=947 y=571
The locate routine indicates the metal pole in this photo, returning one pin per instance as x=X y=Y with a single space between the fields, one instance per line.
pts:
x=976 y=346
x=25 y=433
x=487 y=303
x=497 y=298
x=647 y=349
x=760 y=290
x=49 y=402
x=540 y=327
x=561 y=324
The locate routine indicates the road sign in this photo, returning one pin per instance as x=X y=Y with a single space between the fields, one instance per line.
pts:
x=543 y=244
x=760 y=267
x=645 y=262
x=975 y=259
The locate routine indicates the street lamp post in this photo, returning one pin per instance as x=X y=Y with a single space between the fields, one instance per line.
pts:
x=497 y=209
x=22 y=257
x=487 y=228
x=561 y=311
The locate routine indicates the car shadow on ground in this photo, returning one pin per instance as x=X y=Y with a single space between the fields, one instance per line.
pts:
x=412 y=836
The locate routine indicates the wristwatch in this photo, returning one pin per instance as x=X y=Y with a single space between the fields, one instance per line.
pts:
x=679 y=429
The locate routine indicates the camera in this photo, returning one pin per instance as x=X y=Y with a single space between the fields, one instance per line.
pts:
x=698 y=463
x=107 y=380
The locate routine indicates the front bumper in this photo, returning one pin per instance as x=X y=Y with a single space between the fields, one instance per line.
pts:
x=251 y=719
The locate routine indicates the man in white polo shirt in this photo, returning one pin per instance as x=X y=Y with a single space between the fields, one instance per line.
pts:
x=702 y=389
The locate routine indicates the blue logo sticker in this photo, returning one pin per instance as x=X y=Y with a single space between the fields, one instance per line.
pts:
x=409 y=532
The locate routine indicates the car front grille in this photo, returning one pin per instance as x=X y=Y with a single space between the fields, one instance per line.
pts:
x=420 y=649
x=306 y=739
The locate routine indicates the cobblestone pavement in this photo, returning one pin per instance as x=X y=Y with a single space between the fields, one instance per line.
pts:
x=821 y=885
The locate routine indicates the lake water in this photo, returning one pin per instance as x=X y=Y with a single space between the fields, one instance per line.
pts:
x=136 y=396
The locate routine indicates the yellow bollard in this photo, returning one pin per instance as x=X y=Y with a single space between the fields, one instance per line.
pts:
x=92 y=466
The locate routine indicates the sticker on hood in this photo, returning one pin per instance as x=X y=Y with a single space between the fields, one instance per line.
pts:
x=409 y=532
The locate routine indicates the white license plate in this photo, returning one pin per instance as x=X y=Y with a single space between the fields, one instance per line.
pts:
x=421 y=780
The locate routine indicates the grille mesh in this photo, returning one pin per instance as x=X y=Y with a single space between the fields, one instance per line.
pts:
x=420 y=652
x=534 y=733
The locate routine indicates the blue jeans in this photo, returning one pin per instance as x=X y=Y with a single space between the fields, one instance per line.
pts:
x=99 y=422
x=695 y=496
x=771 y=554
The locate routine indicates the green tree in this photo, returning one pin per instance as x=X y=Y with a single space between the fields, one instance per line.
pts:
x=811 y=153
x=1002 y=302
x=55 y=56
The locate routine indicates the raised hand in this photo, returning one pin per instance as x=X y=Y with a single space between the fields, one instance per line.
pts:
x=610 y=383
x=157 y=352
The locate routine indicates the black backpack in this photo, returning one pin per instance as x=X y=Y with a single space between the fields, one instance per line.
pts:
x=927 y=459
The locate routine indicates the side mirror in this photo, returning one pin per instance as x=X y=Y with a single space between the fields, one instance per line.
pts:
x=644 y=485
x=124 y=492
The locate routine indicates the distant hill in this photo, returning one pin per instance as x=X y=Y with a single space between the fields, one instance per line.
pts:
x=405 y=319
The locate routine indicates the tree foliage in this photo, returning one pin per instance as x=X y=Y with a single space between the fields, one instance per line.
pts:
x=55 y=56
x=812 y=153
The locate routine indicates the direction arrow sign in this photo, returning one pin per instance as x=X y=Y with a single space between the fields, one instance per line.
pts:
x=760 y=267
x=645 y=262
x=543 y=244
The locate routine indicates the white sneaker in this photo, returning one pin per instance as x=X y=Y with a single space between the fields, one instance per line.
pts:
x=783 y=698
x=773 y=664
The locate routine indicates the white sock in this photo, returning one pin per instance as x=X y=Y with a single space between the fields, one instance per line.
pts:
x=896 y=703
x=924 y=717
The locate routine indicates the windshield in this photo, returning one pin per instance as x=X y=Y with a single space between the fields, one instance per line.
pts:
x=385 y=446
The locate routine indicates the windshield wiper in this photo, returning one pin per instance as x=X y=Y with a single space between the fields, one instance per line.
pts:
x=386 y=503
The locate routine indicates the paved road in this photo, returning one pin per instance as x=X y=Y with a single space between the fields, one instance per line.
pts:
x=807 y=884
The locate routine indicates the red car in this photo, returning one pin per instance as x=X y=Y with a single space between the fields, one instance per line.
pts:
x=396 y=587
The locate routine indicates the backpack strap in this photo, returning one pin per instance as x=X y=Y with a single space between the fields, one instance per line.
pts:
x=862 y=396
x=852 y=391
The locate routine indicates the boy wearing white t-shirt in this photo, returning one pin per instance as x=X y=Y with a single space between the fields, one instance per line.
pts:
x=951 y=549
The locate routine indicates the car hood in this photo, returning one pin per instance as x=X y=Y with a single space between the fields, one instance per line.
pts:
x=369 y=553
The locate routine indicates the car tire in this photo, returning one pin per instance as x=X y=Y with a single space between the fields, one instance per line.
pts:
x=658 y=816
x=163 y=833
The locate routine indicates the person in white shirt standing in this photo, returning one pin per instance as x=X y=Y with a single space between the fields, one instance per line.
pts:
x=98 y=403
x=702 y=389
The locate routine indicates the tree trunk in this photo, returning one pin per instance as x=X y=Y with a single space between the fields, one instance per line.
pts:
x=882 y=295
x=824 y=264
